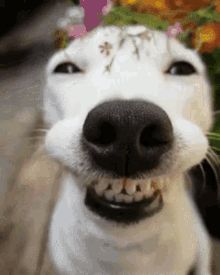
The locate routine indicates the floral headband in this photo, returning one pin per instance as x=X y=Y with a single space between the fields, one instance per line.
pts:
x=196 y=23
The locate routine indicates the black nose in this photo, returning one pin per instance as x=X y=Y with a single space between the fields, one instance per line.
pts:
x=127 y=137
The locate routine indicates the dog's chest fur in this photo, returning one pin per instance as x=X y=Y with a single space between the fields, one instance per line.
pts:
x=162 y=245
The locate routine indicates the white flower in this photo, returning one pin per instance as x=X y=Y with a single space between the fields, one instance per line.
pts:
x=76 y=14
x=63 y=22
x=107 y=8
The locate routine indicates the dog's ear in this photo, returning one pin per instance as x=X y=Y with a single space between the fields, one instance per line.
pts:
x=205 y=179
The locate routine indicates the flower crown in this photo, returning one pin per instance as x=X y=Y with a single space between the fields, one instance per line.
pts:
x=196 y=23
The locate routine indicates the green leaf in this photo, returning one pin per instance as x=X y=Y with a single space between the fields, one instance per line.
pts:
x=185 y=37
x=203 y=16
x=125 y=16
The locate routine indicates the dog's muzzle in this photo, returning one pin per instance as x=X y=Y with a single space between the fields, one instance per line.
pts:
x=125 y=139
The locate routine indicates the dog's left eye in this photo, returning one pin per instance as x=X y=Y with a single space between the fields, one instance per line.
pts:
x=181 y=68
x=67 y=68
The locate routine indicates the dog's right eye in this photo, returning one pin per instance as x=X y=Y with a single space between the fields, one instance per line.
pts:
x=181 y=68
x=67 y=68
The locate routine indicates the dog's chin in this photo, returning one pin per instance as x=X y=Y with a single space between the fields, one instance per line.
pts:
x=126 y=201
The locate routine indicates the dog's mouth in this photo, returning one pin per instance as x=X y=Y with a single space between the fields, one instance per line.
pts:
x=126 y=201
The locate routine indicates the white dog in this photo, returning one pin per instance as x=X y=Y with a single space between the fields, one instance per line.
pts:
x=128 y=111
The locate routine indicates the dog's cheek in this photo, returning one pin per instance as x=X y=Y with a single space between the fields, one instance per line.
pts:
x=62 y=141
x=199 y=107
x=192 y=144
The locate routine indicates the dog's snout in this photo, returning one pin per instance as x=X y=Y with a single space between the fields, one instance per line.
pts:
x=127 y=137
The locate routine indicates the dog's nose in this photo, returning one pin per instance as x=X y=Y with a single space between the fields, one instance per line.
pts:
x=127 y=137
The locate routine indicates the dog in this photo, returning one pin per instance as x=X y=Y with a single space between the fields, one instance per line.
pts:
x=128 y=110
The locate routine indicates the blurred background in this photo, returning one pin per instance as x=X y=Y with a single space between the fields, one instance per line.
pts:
x=26 y=44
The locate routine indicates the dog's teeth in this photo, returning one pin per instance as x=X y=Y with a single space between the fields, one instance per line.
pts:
x=98 y=190
x=154 y=185
x=117 y=187
x=138 y=196
x=130 y=187
x=145 y=186
x=166 y=183
x=133 y=190
x=109 y=195
x=149 y=194
x=100 y=187
x=127 y=198
x=160 y=183
x=119 y=198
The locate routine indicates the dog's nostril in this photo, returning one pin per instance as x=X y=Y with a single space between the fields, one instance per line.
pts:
x=104 y=134
x=148 y=137
x=107 y=134
x=153 y=135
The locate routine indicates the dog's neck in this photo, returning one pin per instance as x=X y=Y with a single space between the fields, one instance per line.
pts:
x=106 y=246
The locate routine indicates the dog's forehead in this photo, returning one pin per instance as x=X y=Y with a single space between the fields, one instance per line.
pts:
x=136 y=42
x=108 y=41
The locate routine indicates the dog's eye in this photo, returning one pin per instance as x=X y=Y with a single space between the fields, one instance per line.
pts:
x=67 y=68
x=181 y=68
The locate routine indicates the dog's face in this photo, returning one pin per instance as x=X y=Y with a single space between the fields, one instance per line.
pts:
x=128 y=111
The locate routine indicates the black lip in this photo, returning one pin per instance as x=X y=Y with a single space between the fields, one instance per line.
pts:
x=121 y=212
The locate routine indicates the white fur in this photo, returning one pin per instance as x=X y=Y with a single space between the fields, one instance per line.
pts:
x=174 y=239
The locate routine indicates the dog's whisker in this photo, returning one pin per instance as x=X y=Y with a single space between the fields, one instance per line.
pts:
x=36 y=137
x=214 y=138
x=34 y=146
x=217 y=112
x=214 y=163
x=189 y=180
x=213 y=155
x=41 y=130
x=204 y=177
x=213 y=134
